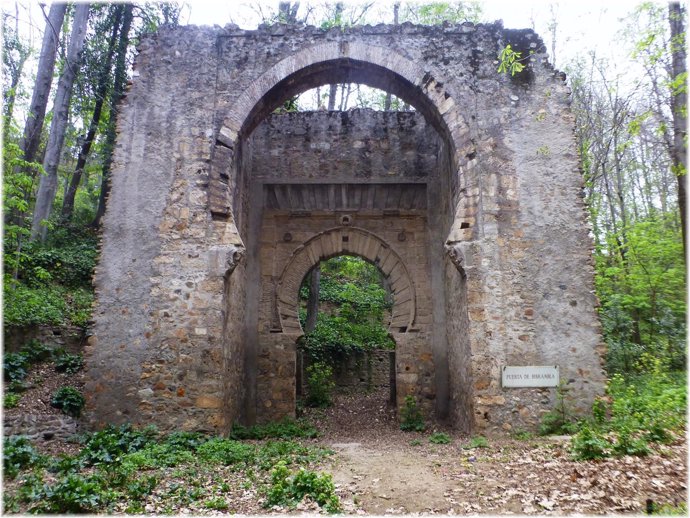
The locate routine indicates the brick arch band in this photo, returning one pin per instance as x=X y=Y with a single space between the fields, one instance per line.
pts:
x=349 y=241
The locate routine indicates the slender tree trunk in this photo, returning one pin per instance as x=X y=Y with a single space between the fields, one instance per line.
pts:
x=313 y=300
x=49 y=182
x=101 y=92
x=11 y=94
x=118 y=94
x=389 y=97
x=679 y=104
x=287 y=11
x=44 y=80
x=332 y=93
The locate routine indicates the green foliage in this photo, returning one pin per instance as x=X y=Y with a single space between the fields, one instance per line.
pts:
x=289 y=489
x=110 y=444
x=217 y=504
x=290 y=452
x=510 y=61
x=680 y=509
x=285 y=429
x=599 y=411
x=51 y=284
x=226 y=452
x=589 y=444
x=436 y=13
x=356 y=286
x=46 y=305
x=644 y=409
x=478 y=441
x=522 y=435
x=69 y=400
x=35 y=351
x=11 y=400
x=69 y=363
x=439 y=438
x=626 y=443
x=320 y=385
x=559 y=420
x=15 y=366
x=159 y=455
x=411 y=417
x=73 y=494
x=643 y=303
x=18 y=453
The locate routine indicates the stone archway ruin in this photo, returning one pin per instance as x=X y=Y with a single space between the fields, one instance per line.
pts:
x=471 y=205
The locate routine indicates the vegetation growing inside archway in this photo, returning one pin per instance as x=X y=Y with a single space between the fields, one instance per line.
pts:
x=354 y=304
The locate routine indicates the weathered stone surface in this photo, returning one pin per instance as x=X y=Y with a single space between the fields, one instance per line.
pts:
x=218 y=209
x=40 y=427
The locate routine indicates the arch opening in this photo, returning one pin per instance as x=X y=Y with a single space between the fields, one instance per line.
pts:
x=323 y=184
x=347 y=355
x=347 y=70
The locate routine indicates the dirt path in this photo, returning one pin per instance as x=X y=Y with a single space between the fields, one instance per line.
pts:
x=388 y=482
x=379 y=469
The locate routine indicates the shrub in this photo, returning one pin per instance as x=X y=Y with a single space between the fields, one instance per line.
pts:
x=288 y=490
x=599 y=411
x=69 y=363
x=478 y=441
x=111 y=443
x=627 y=444
x=217 y=504
x=411 y=418
x=35 y=351
x=11 y=400
x=186 y=440
x=589 y=444
x=73 y=494
x=18 y=453
x=69 y=400
x=558 y=420
x=290 y=452
x=285 y=429
x=15 y=366
x=159 y=455
x=25 y=305
x=320 y=385
x=439 y=438
x=227 y=452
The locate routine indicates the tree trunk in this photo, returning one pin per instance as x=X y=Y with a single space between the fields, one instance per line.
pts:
x=44 y=80
x=48 y=186
x=101 y=92
x=389 y=97
x=287 y=12
x=118 y=94
x=313 y=300
x=679 y=104
x=332 y=93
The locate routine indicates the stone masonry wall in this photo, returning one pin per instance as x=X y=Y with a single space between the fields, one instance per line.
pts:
x=180 y=301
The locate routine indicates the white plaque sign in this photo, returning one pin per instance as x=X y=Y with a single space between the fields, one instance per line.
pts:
x=529 y=376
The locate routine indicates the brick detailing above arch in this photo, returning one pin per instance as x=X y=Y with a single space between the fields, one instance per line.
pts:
x=350 y=241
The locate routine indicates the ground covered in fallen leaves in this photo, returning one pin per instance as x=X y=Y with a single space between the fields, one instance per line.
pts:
x=379 y=469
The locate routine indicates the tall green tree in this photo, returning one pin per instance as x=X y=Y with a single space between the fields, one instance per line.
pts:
x=44 y=80
x=102 y=64
x=49 y=182
x=120 y=83
x=679 y=106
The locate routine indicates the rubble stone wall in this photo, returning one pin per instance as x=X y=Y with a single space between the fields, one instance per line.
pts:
x=189 y=332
